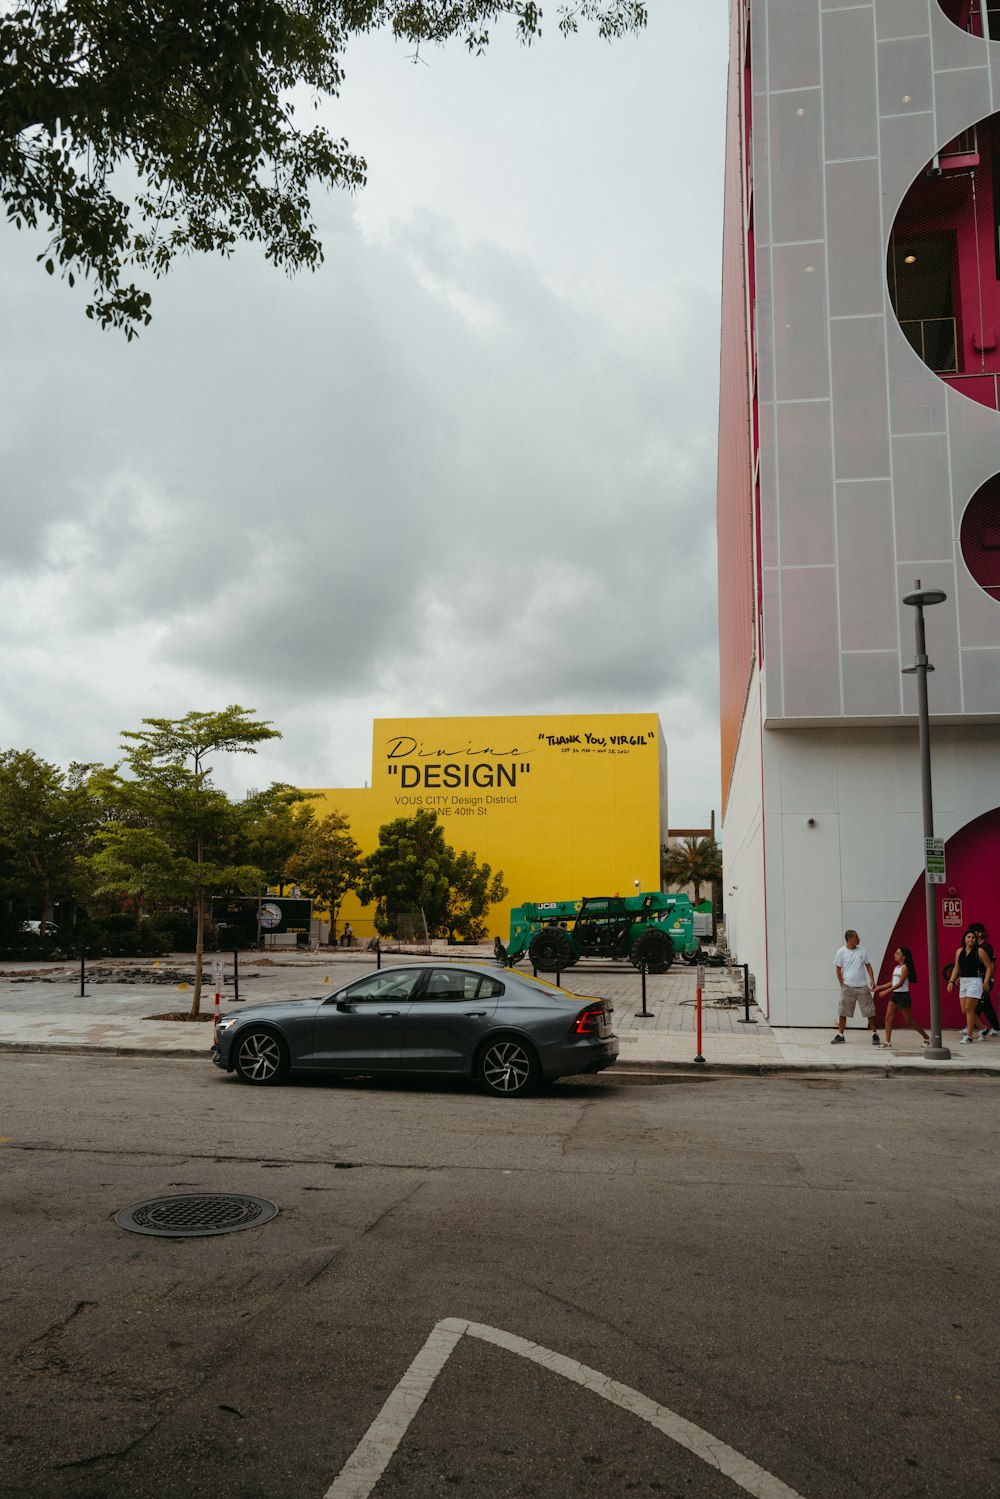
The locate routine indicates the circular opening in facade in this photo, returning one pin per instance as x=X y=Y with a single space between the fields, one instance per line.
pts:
x=979 y=536
x=196 y=1216
x=977 y=17
x=943 y=262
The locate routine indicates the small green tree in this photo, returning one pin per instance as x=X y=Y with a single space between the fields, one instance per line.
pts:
x=172 y=832
x=694 y=861
x=46 y=821
x=415 y=869
x=474 y=889
x=328 y=864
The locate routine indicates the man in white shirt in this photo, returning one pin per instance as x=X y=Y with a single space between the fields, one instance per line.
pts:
x=852 y=963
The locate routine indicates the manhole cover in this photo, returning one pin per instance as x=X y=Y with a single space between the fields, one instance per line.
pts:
x=195 y=1216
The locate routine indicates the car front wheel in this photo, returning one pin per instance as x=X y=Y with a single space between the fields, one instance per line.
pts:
x=508 y=1068
x=260 y=1058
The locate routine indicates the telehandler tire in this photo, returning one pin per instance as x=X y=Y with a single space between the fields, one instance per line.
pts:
x=550 y=949
x=655 y=949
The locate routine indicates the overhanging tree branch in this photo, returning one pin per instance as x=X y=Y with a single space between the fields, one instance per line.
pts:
x=192 y=97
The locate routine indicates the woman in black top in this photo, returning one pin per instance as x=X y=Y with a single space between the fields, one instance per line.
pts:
x=972 y=963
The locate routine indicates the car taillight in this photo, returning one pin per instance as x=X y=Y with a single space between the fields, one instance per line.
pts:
x=589 y=1020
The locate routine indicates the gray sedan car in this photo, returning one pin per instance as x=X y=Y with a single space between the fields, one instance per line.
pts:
x=509 y=1031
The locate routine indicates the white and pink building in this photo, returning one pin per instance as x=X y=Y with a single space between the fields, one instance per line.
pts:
x=859 y=451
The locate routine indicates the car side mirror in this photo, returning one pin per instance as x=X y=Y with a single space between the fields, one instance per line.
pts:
x=344 y=1006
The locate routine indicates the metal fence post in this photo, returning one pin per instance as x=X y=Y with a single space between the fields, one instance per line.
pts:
x=746 y=996
x=643 y=1014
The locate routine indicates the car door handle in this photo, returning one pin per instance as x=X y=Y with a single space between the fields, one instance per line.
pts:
x=475 y=1014
x=388 y=1014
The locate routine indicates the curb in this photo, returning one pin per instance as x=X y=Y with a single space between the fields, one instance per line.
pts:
x=794 y=1069
x=630 y=1070
x=67 y=1048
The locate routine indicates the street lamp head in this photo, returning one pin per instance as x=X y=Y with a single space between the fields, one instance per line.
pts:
x=922 y=598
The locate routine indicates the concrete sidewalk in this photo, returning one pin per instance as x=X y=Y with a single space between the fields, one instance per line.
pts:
x=41 y=1009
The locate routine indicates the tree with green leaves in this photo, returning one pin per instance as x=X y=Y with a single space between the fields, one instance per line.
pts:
x=132 y=131
x=693 y=861
x=474 y=889
x=328 y=864
x=415 y=869
x=172 y=832
x=277 y=822
x=46 y=821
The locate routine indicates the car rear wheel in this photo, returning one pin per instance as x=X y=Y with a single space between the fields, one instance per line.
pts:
x=260 y=1058
x=655 y=949
x=508 y=1068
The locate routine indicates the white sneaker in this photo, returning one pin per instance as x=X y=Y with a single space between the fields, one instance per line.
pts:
x=966 y=1040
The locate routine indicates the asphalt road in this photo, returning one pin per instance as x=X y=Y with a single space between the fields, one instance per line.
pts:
x=801 y=1269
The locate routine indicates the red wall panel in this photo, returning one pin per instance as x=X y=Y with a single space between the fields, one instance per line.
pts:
x=735 y=502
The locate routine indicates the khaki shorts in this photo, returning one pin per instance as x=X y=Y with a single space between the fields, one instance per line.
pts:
x=850 y=997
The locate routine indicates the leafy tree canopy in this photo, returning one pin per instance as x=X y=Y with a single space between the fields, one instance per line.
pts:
x=132 y=131
x=274 y=824
x=46 y=821
x=415 y=869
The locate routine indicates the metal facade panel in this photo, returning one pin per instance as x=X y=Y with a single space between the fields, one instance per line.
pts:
x=857 y=101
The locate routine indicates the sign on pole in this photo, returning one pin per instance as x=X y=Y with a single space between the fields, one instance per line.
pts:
x=934 y=860
x=218 y=974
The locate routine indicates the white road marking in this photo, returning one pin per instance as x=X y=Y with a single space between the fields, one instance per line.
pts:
x=374 y=1452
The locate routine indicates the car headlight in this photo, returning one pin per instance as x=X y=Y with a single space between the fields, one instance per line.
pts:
x=227 y=1023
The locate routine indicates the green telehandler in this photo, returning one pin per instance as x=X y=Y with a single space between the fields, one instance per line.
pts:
x=648 y=929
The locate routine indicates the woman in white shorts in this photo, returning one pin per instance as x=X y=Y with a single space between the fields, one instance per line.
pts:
x=972 y=965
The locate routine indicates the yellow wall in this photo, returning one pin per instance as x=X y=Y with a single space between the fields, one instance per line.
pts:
x=566 y=805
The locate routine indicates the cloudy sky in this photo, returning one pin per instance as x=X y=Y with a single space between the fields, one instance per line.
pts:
x=467 y=467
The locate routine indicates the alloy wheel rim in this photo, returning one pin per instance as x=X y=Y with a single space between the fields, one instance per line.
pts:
x=506 y=1067
x=259 y=1056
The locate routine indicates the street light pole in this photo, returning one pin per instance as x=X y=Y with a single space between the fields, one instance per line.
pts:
x=919 y=599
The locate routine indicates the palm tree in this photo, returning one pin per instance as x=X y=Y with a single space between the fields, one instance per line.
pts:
x=694 y=861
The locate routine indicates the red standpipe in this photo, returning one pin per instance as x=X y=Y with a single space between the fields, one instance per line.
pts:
x=701 y=985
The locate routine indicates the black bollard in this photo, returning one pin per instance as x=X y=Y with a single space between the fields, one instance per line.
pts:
x=83 y=960
x=378 y=954
x=558 y=973
x=746 y=996
x=643 y=1014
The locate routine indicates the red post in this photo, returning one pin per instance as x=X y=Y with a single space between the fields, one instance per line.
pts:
x=219 y=976
x=701 y=984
